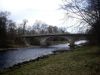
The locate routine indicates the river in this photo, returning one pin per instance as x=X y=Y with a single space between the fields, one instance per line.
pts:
x=13 y=57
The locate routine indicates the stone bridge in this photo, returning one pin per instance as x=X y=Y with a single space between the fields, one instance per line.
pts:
x=71 y=38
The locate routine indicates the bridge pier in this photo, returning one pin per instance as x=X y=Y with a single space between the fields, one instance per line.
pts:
x=43 y=41
x=72 y=42
x=26 y=43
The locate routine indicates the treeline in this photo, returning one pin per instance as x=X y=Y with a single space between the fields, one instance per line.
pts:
x=42 y=28
x=10 y=31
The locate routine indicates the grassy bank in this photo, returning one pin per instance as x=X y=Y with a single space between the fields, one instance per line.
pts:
x=81 y=61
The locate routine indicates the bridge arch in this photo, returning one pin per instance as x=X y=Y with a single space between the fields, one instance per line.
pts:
x=51 y=39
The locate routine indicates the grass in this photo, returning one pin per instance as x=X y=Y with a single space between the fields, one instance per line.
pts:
x=81 y=61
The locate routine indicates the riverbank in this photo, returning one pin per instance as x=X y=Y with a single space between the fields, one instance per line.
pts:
x=80 y=61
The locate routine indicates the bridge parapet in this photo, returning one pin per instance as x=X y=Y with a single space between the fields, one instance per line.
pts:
x=68 y=35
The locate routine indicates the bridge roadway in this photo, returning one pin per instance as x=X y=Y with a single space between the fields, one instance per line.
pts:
x=47 y=35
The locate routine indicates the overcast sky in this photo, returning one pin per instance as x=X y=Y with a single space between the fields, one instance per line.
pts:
x=45 y=10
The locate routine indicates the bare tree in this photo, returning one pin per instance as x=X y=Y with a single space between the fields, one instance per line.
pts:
x=24 y=25
x=88 y=11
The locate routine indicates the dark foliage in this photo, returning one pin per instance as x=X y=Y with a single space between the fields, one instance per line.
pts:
x=94 y=5
x=3 y=32
x=95 y=30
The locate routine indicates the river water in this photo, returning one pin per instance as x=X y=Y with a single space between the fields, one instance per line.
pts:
x=13 y=57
